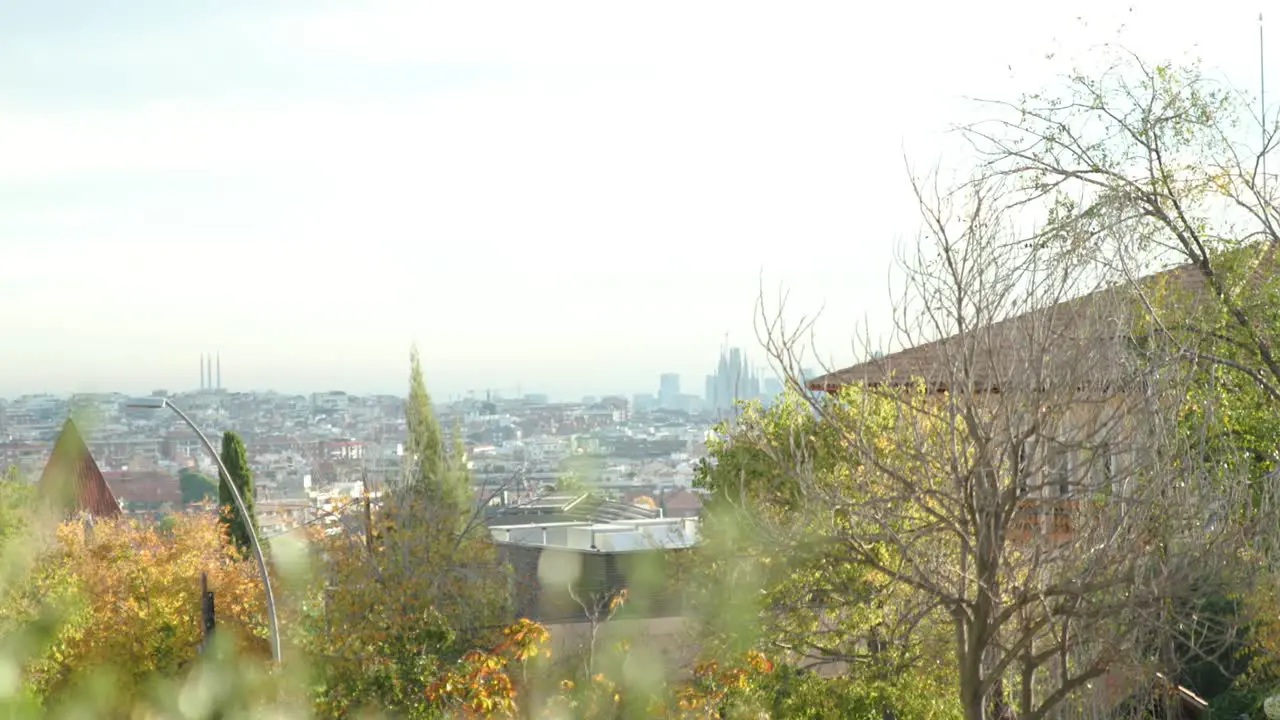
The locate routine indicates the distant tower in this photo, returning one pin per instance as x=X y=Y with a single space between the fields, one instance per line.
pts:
x=219 y=385
x=208 y=374
x=202 y=371
x=668 y=390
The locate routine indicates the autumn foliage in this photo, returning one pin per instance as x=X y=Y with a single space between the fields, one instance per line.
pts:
x=122 y=597
x=492 y=684
x=395 y=598
x=480 y=685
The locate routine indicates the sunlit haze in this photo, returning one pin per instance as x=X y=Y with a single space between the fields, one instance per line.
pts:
x=562 y=197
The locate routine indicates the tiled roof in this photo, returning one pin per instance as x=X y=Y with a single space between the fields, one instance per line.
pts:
x=681 y=500
x=1076 y=324
x=72 y=479
x=1079 y=331
x=145 y=487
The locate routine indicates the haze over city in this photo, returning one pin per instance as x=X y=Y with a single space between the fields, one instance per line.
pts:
x=704 y=359
x=565 y=197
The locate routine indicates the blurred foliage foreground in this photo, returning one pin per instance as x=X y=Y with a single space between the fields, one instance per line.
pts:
x=403 y=614
x=102 y=619
x=404 y=609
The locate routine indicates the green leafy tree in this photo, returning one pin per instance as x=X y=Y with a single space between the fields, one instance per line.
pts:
x=399 y=601
x=114 y=606
x=16 y=497
x=769 y=578
x=1020 y=476
x=457 y=472
x=410 y=590
x=1152 y=164
x=433 y=471
x=1146 y=165
x=425 y=441
x=1231 y=422
x=437 y=468
x=236 y=462
x=196 y=487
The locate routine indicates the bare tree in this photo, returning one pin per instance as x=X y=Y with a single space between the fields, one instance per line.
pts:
x=1143 y=164
x=598 y=608
x=1019 y=466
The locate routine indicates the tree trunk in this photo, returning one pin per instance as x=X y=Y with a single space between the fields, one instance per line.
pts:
x=972 y=699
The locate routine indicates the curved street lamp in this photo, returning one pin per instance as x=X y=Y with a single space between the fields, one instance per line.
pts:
x=159 y=403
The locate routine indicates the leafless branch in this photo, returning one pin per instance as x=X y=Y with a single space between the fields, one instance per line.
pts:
x=1019 y=464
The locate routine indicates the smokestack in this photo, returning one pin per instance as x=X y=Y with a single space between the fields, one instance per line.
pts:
x=202 y=371
x=219 y=385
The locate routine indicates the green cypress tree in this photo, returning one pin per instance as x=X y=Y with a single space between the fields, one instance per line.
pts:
x=433 y=471
x=233 y=457
x=459 y=473
x=425 y=443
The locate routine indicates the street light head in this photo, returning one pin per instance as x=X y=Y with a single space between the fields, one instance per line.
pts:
x=147 y=403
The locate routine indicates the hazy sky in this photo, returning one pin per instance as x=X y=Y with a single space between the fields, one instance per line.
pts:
x=568 y=197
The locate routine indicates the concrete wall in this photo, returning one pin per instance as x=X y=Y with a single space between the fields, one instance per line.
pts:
x=543 y=577
x=665 y=640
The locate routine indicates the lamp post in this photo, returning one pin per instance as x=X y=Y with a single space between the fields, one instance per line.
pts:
x=159 y=403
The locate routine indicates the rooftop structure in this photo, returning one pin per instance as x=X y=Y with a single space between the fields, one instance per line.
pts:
x=72 y=480
x=1082 y=321
x=608 y=537
x=563 y=570
x=568 y=508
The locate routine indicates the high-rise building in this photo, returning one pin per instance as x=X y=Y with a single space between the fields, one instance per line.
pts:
x=668 y=390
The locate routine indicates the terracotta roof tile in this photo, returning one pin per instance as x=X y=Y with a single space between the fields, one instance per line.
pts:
x=1013 y=347
x=145 y=486
x=72 y=479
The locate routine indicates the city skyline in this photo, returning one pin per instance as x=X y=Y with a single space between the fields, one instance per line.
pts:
x=531 y=194
x=208 y=378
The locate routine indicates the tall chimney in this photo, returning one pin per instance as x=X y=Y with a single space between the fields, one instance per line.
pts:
x=219 y=385
x=201 y=371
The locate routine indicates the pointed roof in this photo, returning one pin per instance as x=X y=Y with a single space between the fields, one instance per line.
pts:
x=72 y=479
